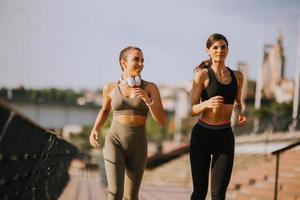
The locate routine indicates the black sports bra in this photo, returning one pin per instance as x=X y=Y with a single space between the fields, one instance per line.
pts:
x=215 y=88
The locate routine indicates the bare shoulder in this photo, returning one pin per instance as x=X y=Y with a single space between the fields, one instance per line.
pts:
x=150 y=85
x=239 y=75
x=109 y=88
x=201 y=75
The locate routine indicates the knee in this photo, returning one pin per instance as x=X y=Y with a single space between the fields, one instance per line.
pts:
x=218 y=195
x=115 y=194
x=198 y=195
x=131 y=198
x=132 y=195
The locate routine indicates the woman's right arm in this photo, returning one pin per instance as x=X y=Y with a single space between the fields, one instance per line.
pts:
x=197 y=89
x=102 y=115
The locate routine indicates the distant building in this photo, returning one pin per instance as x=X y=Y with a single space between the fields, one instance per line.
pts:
x=274 y=84
x=70 y=129
x=168 y=97
x=176 y=99
x=91 y=97
x=285 y=92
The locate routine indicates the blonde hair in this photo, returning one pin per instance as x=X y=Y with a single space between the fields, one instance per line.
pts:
x=124 y=53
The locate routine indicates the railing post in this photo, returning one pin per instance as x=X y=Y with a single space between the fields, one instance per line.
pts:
x=277 y=153
x=276 y=176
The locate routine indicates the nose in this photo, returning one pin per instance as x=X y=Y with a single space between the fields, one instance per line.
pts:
x=140 y=63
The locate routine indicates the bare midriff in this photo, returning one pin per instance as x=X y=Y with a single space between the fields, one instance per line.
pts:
x=217 y=116
x=131 y=120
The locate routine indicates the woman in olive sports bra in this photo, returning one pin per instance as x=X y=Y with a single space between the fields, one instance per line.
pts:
x=125 y=149
x=215 y=94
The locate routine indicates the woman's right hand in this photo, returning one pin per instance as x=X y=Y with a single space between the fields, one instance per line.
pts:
x=94 y=139
x=215 y=102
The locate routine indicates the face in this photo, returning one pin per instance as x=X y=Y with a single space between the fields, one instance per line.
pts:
x=218 y=51
x=133 y=63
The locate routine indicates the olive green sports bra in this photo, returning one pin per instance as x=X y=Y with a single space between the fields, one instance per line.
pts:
x=128 y=106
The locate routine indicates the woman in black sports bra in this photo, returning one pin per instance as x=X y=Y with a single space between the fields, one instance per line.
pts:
x=215 y=94
x=125 y=149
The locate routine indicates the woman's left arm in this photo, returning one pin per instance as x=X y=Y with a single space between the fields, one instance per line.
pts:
x=152 y=98
x=237 y=107
x=155 y=104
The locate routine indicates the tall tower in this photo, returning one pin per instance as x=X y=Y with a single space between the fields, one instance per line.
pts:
x=273 y=67
x=277 y=60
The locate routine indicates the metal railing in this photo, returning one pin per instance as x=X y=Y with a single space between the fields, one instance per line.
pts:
x=277 y=153
x=33 y=161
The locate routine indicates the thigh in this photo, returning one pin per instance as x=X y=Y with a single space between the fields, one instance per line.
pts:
x=114 y=161
x=222 y=164
x=200 y=155
x=200 y=164
x=135 y=166
x=200 y=159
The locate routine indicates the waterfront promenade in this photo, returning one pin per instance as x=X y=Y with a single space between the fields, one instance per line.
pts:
x=253 y=174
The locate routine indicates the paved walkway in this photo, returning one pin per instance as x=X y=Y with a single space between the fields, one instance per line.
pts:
x=171 y=180
x=83 y=185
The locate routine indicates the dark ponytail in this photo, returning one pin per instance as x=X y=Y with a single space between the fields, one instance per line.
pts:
x=210 y=41
x=203 y=64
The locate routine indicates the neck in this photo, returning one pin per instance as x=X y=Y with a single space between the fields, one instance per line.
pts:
x=218 y=66
x=125 y=76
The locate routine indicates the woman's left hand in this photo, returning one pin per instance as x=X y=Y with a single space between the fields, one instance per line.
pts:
x=241 y=119
x=139 y=92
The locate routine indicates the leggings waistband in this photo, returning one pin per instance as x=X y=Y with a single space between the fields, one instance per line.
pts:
x=214 y=126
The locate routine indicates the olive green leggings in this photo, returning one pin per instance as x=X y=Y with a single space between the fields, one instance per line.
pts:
x=125 y=155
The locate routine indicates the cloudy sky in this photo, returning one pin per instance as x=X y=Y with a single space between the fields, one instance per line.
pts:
x=75 y=43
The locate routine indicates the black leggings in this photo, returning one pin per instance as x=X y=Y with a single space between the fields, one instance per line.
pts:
x=216 y=142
